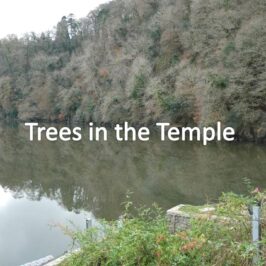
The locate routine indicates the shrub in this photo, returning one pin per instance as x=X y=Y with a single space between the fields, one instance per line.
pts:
x=180 y=108
x=230 y=47
x=220 y=82
x=122 y=33
x=165 y=61
x=154 y=49
x=155 y=34
x=139 y=83
x=144 y=238
x=91 y=107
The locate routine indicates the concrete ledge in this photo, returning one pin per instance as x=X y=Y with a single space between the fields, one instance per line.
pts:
x=59 y=260
x=40 y=262
x=179 y=217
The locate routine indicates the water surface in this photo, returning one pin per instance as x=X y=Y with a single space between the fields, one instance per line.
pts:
x=47 y=183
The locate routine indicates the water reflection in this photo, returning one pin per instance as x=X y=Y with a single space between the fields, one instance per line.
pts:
x=5 y=198
x=95 y=176
x=49 y=178
x=30 y=230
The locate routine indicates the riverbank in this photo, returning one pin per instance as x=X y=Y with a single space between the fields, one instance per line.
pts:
x=163 y=172
x=145 y=239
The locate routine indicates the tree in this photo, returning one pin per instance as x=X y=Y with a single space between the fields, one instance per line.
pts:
x=68 y=34
x=62 y=37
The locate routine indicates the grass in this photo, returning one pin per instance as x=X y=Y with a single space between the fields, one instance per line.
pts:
x=195 y=209
x=144 y=238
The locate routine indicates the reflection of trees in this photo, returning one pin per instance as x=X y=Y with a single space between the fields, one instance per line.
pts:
x=96 y=176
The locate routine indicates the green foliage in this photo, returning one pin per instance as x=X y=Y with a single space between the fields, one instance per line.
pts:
x=144 y=238
x=233 y=205
x=122 y=32
x=72 y=102
x=11 y=113
x=102 y=15
x=230 y=47
x=220 y=82
x=175 y=59
x=180 y=109
x=155 y=34
x=154 y=49
x=91 y=107
x=155 y=5
x=227 y=4
x=126 y=18
x=229 y=52
x=169 y=37
x=178 y=106
x=163 y=62
x=68 y=35
x=139 y=84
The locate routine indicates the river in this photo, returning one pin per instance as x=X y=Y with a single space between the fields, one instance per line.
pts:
x=44 y=185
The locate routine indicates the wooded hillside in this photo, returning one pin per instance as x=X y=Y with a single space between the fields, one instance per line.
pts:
x=189 y=62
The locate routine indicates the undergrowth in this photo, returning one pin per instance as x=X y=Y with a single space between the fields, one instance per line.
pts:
x=220 y=238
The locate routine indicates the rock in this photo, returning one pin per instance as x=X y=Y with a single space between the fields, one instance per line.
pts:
x=178 y=220
x=180 y=216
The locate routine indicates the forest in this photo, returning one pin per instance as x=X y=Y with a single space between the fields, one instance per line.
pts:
x=186 y=62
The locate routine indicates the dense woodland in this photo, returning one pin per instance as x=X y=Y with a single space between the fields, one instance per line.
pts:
x=189 y=62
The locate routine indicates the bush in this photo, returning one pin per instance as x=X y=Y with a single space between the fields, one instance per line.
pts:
x=220 y=82
x=230 y=47
x=139 y=83
x=122 y=33
x=144 y=239
x=155 y=35
x=180 y=108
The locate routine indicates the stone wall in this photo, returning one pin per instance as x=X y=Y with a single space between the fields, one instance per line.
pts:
x=179 y=218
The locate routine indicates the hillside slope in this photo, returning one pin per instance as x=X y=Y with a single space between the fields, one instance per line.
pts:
x=189 y=62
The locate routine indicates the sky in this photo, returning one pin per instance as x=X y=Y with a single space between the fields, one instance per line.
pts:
x=22 y=16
